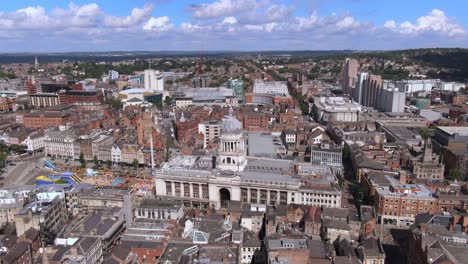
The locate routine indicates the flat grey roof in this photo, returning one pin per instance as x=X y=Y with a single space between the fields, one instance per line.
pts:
x=463 y=131
x=263 y=144
x=267 y=177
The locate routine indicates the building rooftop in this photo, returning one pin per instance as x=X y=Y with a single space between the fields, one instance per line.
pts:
x=166 y=204
x=451 y=130
x=287 y=243
x=263 y=145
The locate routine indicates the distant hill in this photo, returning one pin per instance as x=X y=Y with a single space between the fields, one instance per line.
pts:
x=452 y=63
x=129 y=55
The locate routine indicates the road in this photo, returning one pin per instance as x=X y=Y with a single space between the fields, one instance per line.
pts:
x=24 y=172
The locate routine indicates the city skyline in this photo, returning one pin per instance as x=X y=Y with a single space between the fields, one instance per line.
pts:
x=160 y=25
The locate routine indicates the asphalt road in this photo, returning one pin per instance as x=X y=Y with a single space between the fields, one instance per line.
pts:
x=24 y=172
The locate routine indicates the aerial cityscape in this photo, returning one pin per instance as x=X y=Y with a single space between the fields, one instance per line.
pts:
x=233 y=131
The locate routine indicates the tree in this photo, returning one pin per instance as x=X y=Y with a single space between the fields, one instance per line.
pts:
x=95 y=160
x=456 y=174
x=135 y=163
x=425 y=134
x=167 y=100
x=346 y=152
x=82 y=160
x=109 y=163
x=341 y=180
x=115 y=103
x=167 y=155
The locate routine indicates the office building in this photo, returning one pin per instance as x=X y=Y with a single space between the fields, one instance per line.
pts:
x=205 y=97
x=391 y=99
x=238 y=87
x=399 y=202
x=411 y=86
x=371 y=90
x=47 y=212
x=339 y=109
x=359 y=88
x=350 y=76
x=47 y=99
x=113 y=75
x=327 y=154
x=201 y=81
x=277 y=87
x=154 y=80
x=210 y=130
x=61 y=144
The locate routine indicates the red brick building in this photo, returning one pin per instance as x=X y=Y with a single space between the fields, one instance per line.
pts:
x=255 y=121
x=42 y=119
x=6 y=104
x=85 y=97
x=459 y=99
x=186 y=129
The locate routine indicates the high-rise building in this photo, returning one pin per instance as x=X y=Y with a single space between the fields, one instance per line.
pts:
x=201 y=81
x=238 y=87
x=350 y=76
x=154 y=80
x=371 y=90
x=391 y=99
x=359 y=87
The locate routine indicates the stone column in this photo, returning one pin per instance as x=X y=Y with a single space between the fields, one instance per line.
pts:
x=173 y=188
x=268 y=197
x=191 y=190
x=258 y=196
x=181 y=189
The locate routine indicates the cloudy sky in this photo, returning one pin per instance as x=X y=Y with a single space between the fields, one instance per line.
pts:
x=107 y=25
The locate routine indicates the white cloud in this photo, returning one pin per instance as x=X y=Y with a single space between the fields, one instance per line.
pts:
x=435 y=22
x=229 y=20
x=222 y=8
x=190 y=28
x=158 y=24
x=261 y=24
x=390 y=24
x=137 y=16
x=278 y=12
x=347 y=22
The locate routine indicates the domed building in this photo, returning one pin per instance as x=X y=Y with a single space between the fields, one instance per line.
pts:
x=232 y=148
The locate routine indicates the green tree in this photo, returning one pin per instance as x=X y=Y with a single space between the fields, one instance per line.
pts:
x=82 y=160
x=167 y=100
x=95 y=160
x=135 y=163
x=109 y=163
x=346 y=152
x=115 y=103
x=3 y=157
x=341 y=180
x=167 y=155
x=425 y=134
x=456 y=174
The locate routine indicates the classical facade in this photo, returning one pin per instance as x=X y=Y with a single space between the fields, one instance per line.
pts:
x=231 y=176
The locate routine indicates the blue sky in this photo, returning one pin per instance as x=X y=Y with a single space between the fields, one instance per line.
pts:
x=81 y=25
